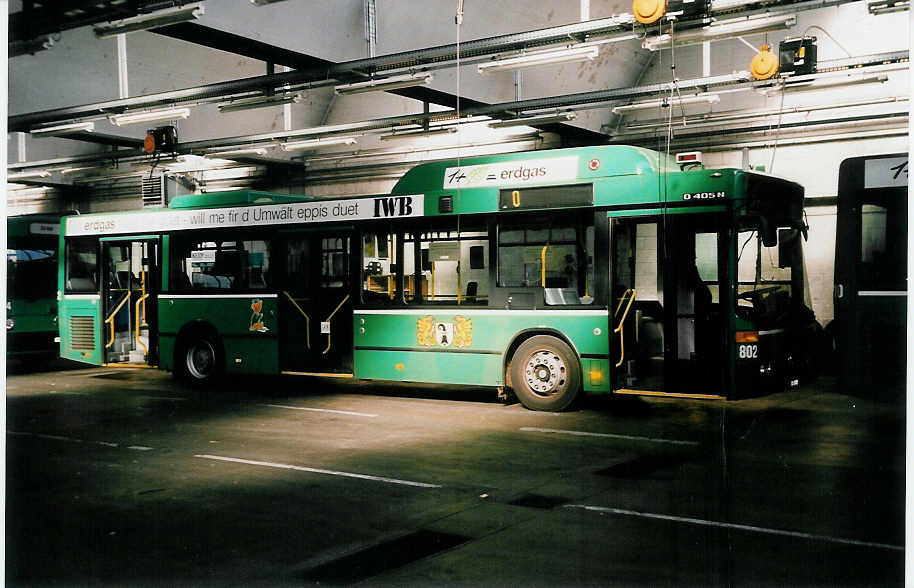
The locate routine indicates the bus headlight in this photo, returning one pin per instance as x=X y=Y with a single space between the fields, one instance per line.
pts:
x=10 y=323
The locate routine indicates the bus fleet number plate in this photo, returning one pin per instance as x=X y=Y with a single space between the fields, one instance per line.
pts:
x=748 y=351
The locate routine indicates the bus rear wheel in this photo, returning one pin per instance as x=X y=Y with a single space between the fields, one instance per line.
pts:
x=545 y=374
x=198 y=359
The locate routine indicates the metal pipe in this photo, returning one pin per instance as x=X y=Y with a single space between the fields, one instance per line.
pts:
x=428 y=58
x=730 y=82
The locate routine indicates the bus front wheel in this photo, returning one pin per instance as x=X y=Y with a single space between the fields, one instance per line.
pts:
x=198 y=359
x=545 y=374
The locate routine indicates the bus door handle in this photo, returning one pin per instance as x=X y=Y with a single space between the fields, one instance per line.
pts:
x=136 y=335
x=618 y=329
x=335 y=310
x=110 y=319
x=304 y=314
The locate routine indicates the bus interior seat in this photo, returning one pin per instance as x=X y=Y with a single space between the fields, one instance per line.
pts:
x=81 y=284
x=122 y=279
x=472 y=288
x=561 y=296
x=257 y=278
x=649 y=334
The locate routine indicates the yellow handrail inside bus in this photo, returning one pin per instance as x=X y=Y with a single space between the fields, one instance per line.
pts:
x=618 y=329
x=543 y=263
x=143 y=296
x=136 y=335
x=335 y=310
x=304 y=314
x=110 y=319
x=459 y=284
x=622 y=301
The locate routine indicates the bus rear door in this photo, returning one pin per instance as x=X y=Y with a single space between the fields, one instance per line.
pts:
x=315 y=303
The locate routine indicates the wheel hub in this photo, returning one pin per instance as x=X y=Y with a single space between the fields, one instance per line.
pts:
x=545 y=372
x=200 y=360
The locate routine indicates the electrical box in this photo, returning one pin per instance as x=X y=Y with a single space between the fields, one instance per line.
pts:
x=160 y=139
x=797 y=56
x=687 y=9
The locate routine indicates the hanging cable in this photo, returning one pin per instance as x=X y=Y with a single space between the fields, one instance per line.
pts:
x=827 y=34
x=458 y=21
x=777 y=131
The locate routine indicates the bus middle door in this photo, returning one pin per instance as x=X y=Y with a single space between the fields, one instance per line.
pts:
x=315 y=303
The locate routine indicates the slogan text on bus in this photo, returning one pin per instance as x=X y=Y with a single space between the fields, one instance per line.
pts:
x=512 y=173
x=241 y=216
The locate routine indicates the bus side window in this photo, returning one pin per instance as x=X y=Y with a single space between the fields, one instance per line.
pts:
x=453 y=266
x=554 y=254
x=221 y=265
x=82 y=265
x=378 y=268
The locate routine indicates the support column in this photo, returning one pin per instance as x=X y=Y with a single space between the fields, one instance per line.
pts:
x=123 y=88
x=371 y=26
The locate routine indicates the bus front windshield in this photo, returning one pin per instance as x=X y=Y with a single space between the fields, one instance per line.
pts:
x=772 y=281
x=31 y=273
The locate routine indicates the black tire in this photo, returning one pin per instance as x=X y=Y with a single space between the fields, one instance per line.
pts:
x=199 y=359
x=545 y=374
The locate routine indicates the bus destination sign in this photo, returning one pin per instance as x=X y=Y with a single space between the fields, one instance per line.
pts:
x=248 y=216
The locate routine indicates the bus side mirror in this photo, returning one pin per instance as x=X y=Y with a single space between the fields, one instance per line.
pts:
x=786 y=238
x=768 y=232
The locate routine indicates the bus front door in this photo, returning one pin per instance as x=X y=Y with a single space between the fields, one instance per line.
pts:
x=315 y=304
x=129 y=326
x=669 y=332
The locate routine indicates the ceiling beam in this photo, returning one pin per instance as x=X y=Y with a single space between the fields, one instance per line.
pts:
x=198 y=34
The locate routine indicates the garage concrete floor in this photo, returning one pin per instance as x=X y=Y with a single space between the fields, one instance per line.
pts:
x=124 y=477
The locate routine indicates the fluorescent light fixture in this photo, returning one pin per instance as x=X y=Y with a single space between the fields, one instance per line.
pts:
x=826 y=83
x=570 y=54
x=27 y=175
x=259 y=102
x=317 y=143
x=666 y=102
x=725 y=30
x=147 y=117
x=419 y=133
x=540 y=119
x=887 y=6
x=142 y=22
x=212 y=189
x=83 y=169
x=245 y=151
x=390 y=83
x=57 y=130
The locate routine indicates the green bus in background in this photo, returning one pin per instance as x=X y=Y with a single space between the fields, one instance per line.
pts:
x=595 y=269
x=31 y=286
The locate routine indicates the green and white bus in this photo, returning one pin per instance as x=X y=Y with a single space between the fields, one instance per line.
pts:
x=596 y=269
x=31 y=284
